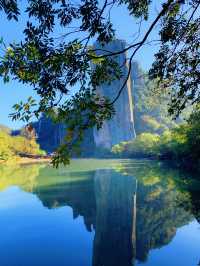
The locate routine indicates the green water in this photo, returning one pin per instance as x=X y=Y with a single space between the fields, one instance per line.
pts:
x=99 y=213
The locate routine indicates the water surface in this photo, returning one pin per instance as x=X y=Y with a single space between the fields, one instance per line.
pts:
x=99 y=213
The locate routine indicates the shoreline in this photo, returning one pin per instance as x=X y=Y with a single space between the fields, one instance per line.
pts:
x=26 y=160
x=47 y=160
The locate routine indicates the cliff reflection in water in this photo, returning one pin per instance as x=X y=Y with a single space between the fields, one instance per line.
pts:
x=132 y=207
x=115 y=221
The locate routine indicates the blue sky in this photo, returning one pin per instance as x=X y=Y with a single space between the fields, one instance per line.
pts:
x=13 y=92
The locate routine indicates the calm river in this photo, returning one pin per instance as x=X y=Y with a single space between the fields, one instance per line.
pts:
x=99 y=213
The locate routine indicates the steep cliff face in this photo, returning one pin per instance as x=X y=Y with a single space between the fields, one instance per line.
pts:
x=121 y=127
x=137 y=111
x=51 y=135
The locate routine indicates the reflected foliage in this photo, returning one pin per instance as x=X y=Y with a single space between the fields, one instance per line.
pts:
x=133 y=206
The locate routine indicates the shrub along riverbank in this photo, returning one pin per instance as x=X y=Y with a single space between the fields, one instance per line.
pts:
x=13 y=148
x=181 y=145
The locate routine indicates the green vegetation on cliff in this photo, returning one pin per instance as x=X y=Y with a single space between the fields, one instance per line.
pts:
x=150 y=106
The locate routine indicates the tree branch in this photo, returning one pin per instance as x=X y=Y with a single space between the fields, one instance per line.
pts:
x=140 y=44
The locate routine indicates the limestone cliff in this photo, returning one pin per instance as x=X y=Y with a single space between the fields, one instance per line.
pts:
x=121 y=127
x=51 y=135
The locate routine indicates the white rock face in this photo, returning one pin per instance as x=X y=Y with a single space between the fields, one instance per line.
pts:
x=121 y=127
